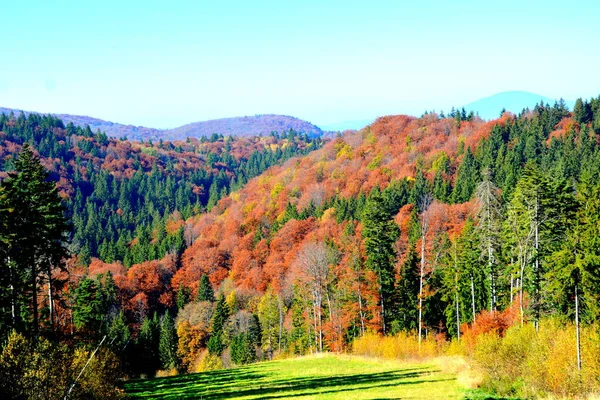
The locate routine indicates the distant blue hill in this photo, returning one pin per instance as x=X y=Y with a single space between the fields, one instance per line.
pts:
x=345 y=125
x=515 y=102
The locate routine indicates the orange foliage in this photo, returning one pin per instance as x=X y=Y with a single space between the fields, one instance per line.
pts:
x=486 y=321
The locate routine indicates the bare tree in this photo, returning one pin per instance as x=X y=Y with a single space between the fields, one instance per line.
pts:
x=489 y=215
x=424 y=203
x=313 y=261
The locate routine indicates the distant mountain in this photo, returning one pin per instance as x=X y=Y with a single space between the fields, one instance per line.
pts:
x=514 y=101
x=110 y=128
x=237 y=126
x=245 y=126
x=346 y=125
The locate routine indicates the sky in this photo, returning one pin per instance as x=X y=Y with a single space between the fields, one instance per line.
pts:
x=166 y=63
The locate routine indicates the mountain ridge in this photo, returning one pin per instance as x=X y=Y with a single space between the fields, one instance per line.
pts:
x=514 y=101
x=256 y=125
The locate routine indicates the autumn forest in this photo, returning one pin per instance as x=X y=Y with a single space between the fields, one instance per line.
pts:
x=442 y=235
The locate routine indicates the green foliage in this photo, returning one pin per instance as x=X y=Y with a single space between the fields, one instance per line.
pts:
x=147 y=346
x=242 y=349
x=215 y=343
x=205 y=290
x=380 y=233
x=33 y=240
x=167 y=345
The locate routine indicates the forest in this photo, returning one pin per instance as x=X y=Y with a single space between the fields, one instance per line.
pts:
x=430 y=235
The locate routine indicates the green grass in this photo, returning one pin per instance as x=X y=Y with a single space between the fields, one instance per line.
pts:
x=312 y=377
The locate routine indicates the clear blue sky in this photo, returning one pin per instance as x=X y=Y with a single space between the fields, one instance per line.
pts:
x=166 y=63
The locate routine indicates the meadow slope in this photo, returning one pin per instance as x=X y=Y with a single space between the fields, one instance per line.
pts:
x=311 y=377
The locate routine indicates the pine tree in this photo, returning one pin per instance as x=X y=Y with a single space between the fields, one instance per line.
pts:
x=215 y=343
x=205 y=290
x=147 y=344
x=181 y=298
x=380 y=233
x=33 y=213
x=167 y=346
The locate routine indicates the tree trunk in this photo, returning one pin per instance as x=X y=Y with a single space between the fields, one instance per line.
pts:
x=473 y=297
x=457 y=311
x=511 y=288
x=577 y=329
x=360 y=311
x=34 y=301
x=492 y=280
x=421 y=276
x=280 y=306
x=14 y=305
x=50 y=299
x=537 y=271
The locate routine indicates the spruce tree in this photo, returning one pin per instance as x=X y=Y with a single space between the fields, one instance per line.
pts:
x=34 y=217
x=205 y=290
x=215 y=343
x=167 y=346
x=380 y=233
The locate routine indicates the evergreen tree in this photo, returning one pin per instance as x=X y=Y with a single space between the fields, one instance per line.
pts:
x=167 y=346
x=205 y=290
x=215 y=343
x=407 y=292
x=467 y=178
x=181 y=298
x=35 y=245
x=380 y=233
x=148 y=344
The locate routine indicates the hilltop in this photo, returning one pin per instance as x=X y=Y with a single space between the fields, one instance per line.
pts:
x=257 y=125
x=514 y=101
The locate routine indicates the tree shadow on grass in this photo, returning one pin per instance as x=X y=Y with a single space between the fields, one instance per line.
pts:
x=245 y=382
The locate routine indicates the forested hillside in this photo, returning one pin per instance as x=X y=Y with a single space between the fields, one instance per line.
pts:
x=255 y=125
x=425 y=225
x=120 y=193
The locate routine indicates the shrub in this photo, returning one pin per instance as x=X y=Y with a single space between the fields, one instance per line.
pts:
x=46 y=370
x=402 y=345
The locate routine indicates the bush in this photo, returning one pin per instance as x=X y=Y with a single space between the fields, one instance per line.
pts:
x=47 y=370
x=529 y=363
x=208 y=362
x=402 y=345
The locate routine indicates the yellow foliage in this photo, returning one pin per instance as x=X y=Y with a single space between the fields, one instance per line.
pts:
x=403 y=345
x=277 y=189
x=165 y=373
x=535 y=364
x=375 y=163
x=190 y=343
x=231 y=302
x=441 y=162
x=207 y=362
x=344 y=151
x=328 y=215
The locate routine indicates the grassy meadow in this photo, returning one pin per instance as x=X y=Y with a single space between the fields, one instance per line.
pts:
x=312 y=377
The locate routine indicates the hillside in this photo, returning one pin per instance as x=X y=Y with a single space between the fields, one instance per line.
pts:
x=323 y=377
x=237 y=126
x=245 y=126
x=513 y=101
x=399 y=238
x=127 y=200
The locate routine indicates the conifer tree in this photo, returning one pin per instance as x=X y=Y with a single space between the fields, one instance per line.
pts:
x=167 y=346
x=205 y=290
x=380 y=233
x=215 y=343
x=35 y=243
